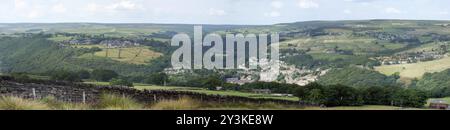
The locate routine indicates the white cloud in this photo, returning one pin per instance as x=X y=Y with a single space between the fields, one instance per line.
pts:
x=18 y=4
x=273 y=14
x=392 y=10
x=306 y=4
x=443 y=13
x=33 y=14
x=123 y=5
x=277 y=4
x=59 y=8
x=347 y=11
x=92 y=7
x=217 y=12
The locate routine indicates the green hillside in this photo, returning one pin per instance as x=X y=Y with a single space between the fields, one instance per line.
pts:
x=38 y=55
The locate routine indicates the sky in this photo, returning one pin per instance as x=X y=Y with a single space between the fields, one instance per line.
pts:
x=248 y=12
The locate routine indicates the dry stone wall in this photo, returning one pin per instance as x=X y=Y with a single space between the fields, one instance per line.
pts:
x=78 y=92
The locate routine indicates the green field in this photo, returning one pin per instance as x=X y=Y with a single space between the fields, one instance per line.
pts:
x=204 y=91
x=415 y=70
x=132 y=55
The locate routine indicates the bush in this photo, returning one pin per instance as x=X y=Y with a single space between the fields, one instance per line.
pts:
x=65 y=76
x=20 y=76
x=104 y=75
x=340 y=95
x=157 y=79
x=116 y=102
x=59 y=105
x=15 y=103
x=120 y=82
x=184 y=103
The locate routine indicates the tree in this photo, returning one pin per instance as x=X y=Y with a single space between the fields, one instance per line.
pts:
x=212 y=82
x=157 y=79
x=104 y=75
x=65 y=76
x=20 y=76
x=83 y=74
x=340 y=95
x=315 y=96
x=120 y=82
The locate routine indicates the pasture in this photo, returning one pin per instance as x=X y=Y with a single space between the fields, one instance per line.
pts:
x=132 y=55
x=202 y=90
x=415 y=70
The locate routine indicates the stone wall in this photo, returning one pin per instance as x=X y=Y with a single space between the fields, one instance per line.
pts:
x=78 y=92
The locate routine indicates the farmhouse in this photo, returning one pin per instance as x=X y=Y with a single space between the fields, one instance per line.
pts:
x=439 y=104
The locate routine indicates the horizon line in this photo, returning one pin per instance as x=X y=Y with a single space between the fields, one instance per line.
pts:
x=225 y=24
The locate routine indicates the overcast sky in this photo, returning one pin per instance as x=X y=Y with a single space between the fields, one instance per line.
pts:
x=217 y=11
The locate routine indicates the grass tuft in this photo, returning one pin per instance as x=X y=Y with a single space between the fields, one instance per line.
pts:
x=16 y=103
x=115 y=102
x=184 y=103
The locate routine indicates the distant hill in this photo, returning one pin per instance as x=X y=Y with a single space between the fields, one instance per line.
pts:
x=320 y=44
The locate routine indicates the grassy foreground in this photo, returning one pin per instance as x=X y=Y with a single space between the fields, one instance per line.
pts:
x=115 y=102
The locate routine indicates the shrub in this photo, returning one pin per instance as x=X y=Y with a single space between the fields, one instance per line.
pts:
x=15 y=103
x=54 y=104
x=184 y=103
x=115 y=102
x=121 y=82
x=104 y=75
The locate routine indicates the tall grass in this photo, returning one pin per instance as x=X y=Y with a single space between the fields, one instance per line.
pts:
x=184 y=103
x=16 y=103
x=116 y=102
x=54 y=104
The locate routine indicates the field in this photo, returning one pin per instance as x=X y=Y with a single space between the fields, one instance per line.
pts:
x=415 y=70
x=201 y=90
x=132 y=55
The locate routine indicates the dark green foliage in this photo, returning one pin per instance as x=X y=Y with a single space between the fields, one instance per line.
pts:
x=156 y=78
x=334 y=95
x=83 y=74
x=35 y=54
x=357 y=77
x=65 y=76
x=306 y=60
x=340 y=95
x=104 y=75
x=410 y=98
x=121 y=82
x=20 y=76
x=273 y=86
x=438 y=83
x=212 y=82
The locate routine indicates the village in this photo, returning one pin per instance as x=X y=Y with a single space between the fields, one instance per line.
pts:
x=414 y=57
x=289 y=74
x=108 y=43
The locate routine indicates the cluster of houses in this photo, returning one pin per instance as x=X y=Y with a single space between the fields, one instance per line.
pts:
x=118 y=43
x=107 y=43
x=85 y=41
x=409 y=58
